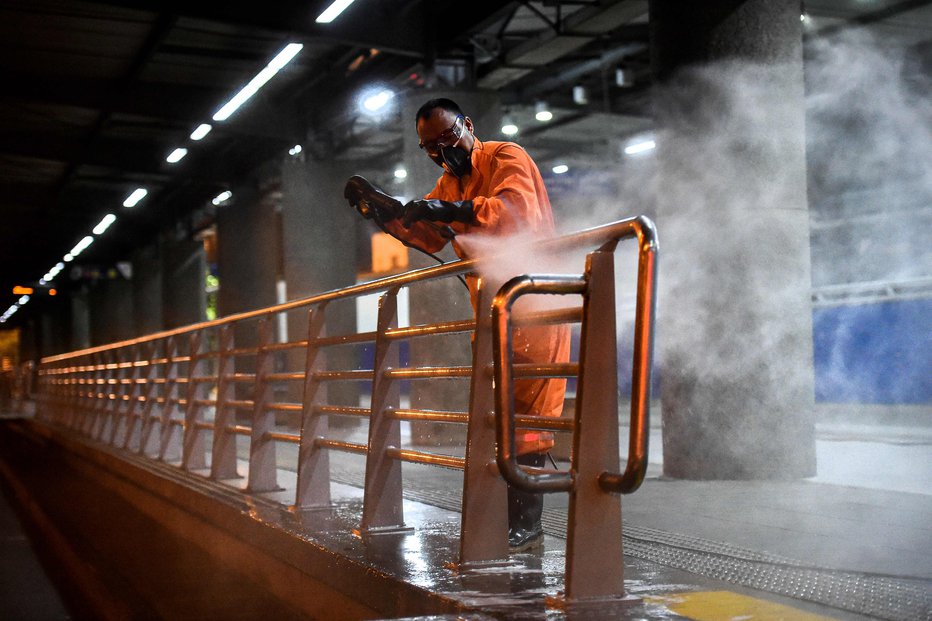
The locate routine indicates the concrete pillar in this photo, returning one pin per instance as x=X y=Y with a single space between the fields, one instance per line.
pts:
x=247 y=250
x=247 y=259
x=735 y=319
x=319 y=248
x=55 y=326
x=80 y=320
x=147 y=289
x=111 y=311
x=184 y=274
x=448 y=299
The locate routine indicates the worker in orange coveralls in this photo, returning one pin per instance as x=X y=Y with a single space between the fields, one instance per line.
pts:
x=495 y=189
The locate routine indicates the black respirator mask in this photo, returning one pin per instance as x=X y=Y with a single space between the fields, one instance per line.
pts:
x=457 y=160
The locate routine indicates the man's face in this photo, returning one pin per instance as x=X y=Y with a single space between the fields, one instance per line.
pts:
x=444 y=128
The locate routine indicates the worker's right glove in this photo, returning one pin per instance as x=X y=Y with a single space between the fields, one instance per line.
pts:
x=438 y=211
x=370 y=201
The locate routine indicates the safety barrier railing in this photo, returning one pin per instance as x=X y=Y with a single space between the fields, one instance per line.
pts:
x=186 y=396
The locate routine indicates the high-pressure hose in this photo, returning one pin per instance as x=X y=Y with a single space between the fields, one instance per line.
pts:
x=374 y=204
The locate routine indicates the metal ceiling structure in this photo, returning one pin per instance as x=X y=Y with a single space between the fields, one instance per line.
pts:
x=97 y=93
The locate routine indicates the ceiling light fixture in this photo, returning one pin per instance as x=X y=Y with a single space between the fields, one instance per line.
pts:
x=580 y=97
x=377 y=101
x=401 y=173
x=134 y=198
x=295 y=150
x=640 y=147
x=81 y=246
x=275 y=65
x=541 y=113
x=202 y=130
x=623 y=77
x=333 y=11
x=104 y=224
x=177 y=155
x=222 y=197
x=559 y=169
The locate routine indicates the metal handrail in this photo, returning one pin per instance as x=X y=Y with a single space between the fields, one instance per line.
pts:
x=164 y=394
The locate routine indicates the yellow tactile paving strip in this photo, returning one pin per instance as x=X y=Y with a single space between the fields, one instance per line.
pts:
x=729 y=606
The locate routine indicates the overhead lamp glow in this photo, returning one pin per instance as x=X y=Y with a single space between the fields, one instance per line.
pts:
x=222 y=197
x=104 y=224
x=580 y=96
x=275 y=65
x=202 y=130
x=509 y=129
x=68 y=258
x=542 y=114
x=640 y=147
x=559 y=169
x=81 y=246
x=333 y=11
x=133 y=199
x=401 y=173
x=295 y=150
x=23 y=300
x=377 y=101
x=177 y=155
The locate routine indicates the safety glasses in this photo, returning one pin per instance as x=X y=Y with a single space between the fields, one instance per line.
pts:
x=447 y=137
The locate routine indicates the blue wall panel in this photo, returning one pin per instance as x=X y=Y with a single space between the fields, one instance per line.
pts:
x=874 y=353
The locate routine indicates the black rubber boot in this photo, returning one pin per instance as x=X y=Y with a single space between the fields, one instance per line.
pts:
x=525 y=532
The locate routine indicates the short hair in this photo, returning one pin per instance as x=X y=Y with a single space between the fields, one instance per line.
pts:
x=441 y=102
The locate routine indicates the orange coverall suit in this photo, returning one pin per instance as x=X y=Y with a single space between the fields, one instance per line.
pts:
x=508 y=197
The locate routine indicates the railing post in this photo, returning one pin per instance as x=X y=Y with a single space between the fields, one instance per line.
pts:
x=313 y=463
x=168 y=447
x=484 y=525
x=382 y=506
x=109 y=391
x=223 y=455
x=148 y=442
x=594 y=561
x=120 y=390
x=128 y=418
x=131 y=435
x=262 y=474
x=96 y=403
x=193 y=454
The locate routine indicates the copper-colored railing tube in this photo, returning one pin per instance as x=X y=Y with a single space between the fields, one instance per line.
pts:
x=645 y=310
x=594 y=236
x=503 y=365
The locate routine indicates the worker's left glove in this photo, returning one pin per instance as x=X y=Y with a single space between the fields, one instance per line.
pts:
x=438 y=211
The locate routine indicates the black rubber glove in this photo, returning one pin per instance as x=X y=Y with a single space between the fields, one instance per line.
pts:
x=438 y=211
x=370 y=201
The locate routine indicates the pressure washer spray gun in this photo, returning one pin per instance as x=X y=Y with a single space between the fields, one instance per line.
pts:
x=374 y=204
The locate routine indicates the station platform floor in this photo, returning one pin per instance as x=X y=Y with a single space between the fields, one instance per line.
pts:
x=854 y=542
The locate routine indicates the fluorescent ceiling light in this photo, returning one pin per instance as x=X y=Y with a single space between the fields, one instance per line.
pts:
x=202 y=130
x=80 y=246
x=283 y=58
x=640 y=147
x=23 y=300
x=509 y=129
x=333 y=11
x=401 y=173
x=137 y=195
x=559 y=169
x=177 y=155
x=68 y=258
x=223 y=196
x=377 y=101
x=104 y=224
